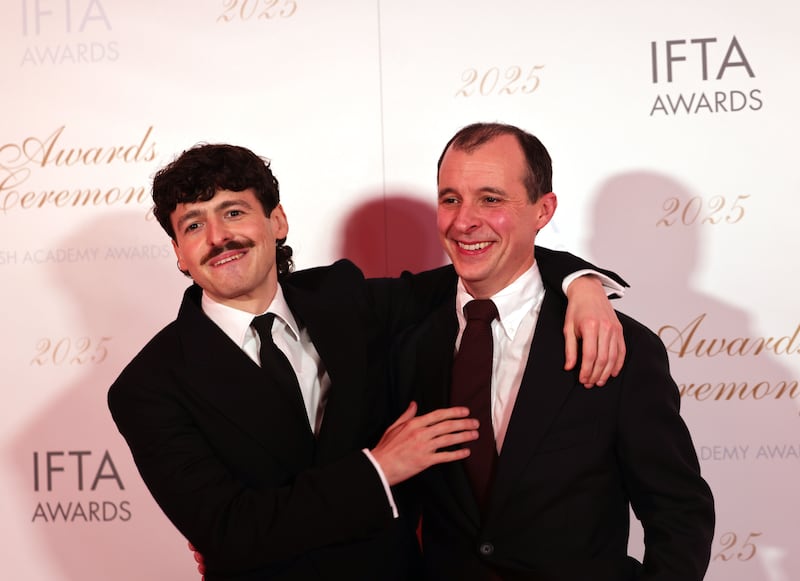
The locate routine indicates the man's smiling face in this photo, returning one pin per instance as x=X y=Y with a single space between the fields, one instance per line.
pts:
x=227 y=244
x=487 y=222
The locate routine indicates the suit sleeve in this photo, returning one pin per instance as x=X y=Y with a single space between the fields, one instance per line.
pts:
x=235 y=520
x=556 y=265
x=406 y=301
x=660 y=466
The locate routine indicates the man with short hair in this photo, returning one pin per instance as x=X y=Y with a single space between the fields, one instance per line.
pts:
x=546 y=493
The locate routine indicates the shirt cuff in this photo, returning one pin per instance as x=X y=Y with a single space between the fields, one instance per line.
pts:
x=612 y=287
x=386 y=488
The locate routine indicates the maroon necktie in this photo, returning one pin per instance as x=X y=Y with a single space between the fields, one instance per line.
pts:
x=472 y=387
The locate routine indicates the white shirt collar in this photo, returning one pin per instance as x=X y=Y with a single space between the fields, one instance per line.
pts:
x=513 y=302
x=236 y=323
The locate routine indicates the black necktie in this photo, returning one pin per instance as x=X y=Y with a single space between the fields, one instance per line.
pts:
x=275 y=363
x=471 y=387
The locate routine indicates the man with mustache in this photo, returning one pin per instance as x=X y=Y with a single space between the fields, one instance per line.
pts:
x=259 y=419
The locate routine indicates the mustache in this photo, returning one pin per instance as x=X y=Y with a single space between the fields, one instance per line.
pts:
x=228 y=246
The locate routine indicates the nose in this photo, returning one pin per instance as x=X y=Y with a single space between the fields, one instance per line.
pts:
x=467 y=216
x=217 y=232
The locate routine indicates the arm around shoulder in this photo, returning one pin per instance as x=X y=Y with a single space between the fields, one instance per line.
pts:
x=592 y=331
x=556 y=265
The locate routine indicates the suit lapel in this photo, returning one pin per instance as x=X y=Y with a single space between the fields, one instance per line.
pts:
x=432 y=374
x=434 y=358
x=544 y=389
x=333 y=323
x=219 y=371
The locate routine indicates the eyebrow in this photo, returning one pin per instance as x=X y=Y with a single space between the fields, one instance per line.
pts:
x=187 y=217
x=483 y=190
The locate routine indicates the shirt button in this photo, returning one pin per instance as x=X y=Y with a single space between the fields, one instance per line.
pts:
x=486 y=549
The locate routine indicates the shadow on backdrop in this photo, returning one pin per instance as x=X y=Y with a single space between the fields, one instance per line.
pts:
x=108 y=527
x=650 y=228
x=385 y=236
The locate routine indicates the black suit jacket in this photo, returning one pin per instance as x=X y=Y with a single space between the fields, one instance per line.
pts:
x=574 y=460
x=232 y=461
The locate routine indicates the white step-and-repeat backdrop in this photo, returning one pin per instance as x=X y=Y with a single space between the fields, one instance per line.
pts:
x=672 y=124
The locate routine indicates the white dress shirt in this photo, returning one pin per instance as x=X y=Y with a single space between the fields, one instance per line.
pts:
x=518 y=307
x=512 y=333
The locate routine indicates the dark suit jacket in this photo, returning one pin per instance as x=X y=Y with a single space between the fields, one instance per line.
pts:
x=573 y=461
x=233 y=463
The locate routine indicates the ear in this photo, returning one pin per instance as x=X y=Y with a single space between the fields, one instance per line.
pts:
x=280 y=226
x=547 y=207
x=179 y=255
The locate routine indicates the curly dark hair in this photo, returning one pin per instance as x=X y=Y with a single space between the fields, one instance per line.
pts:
x=539 y=178
x=200 y=172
